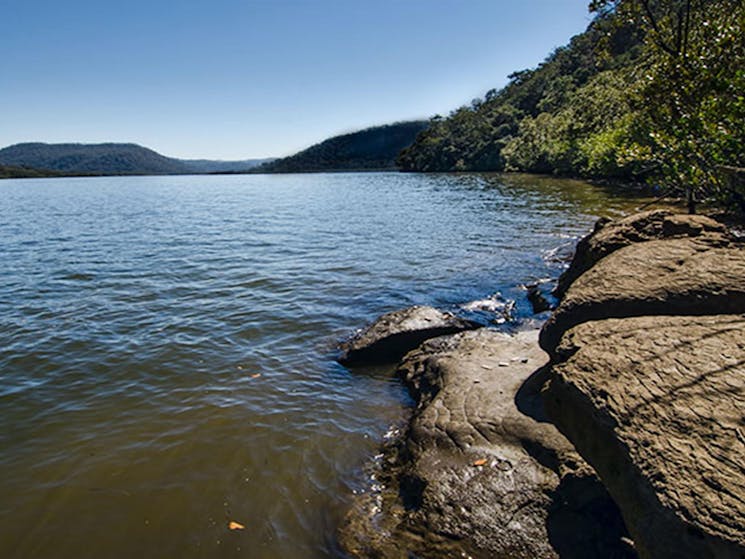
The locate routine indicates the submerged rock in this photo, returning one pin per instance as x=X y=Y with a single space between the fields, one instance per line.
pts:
x=480 y=472
x=665 y=277
x=656 y=405
x=537 y=299
x=609 y=236
x=394 y=334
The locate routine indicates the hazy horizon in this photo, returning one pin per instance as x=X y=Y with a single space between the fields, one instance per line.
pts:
x=248 y=80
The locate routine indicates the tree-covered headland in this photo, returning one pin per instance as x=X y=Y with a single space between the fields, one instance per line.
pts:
x=371 y=149
x=653 y=90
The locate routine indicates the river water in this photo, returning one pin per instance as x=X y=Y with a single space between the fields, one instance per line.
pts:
x=167 y=344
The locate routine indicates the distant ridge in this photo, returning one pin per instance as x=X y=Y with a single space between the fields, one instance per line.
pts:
x=110 y=159
x=371 y=149
x=91 y=158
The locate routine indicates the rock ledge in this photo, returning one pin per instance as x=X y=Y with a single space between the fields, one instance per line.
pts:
x=657 y=406
x=480 y=472
x=392 y=335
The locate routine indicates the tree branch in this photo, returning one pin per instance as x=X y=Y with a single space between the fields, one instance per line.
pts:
x=656 y=28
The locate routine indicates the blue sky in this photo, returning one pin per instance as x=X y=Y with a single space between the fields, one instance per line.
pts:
x=229 y=79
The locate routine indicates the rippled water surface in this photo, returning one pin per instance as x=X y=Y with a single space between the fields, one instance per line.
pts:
x=167 y=345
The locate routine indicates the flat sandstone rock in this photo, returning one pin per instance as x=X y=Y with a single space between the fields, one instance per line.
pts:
x=609 y=236
x=394 y=334
x=480 y=472
x=665 y=277
x=657 y=406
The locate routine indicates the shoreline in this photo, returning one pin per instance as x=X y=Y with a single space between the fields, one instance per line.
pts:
x=500 y=458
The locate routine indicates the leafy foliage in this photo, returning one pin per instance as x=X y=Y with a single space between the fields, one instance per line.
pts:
x=370 y=149
x=691 y=90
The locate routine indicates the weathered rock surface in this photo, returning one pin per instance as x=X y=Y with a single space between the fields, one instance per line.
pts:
x=480 y=472
x=394 y=334
x=665 y=277
x=609 y=236
x=656 y=405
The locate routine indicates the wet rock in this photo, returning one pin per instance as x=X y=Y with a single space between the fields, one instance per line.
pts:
x=667 y=277
x=480 y=472
x=392 y=335
x=537 y=300
x=656 y=405
x=609 y=236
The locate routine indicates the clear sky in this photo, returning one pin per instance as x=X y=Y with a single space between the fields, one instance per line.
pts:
x=235 y=79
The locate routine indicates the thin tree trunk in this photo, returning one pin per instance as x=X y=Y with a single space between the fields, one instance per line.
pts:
x=690 y=200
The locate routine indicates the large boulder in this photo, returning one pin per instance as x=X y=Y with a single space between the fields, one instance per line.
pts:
x=666 y=277
x=480 y=472
x=656 y=405
x=609 y=236
x=394 y=334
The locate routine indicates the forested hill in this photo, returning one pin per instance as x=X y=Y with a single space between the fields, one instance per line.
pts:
x=106 y=158
x=651 y=91
x=110 y=159
x=545 y=120
x=367 y=150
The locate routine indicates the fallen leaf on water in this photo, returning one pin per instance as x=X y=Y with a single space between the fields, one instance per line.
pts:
x=480 y=462
x=257 y=375
x=233 y=525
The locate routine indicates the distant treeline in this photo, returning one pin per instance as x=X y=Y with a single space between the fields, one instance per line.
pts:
x=374 y=148
x=651 y=91
x=8 y=172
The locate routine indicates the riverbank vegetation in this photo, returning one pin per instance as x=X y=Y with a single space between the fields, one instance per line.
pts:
x=652 y=91
x=10 y=172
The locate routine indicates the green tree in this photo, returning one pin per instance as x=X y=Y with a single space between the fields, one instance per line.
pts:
x=691 y=88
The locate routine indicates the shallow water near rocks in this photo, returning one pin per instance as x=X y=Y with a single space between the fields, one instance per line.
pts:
x=167 y=344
